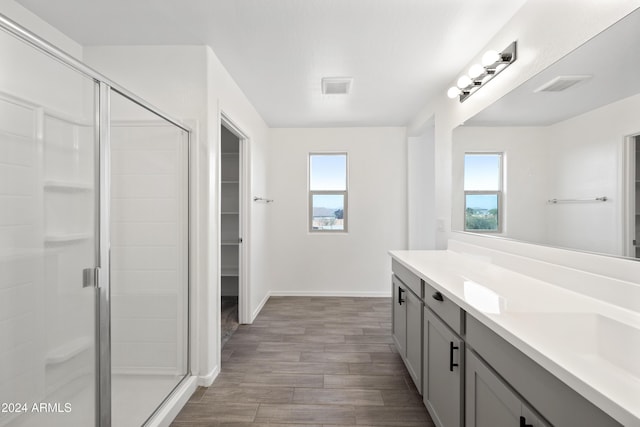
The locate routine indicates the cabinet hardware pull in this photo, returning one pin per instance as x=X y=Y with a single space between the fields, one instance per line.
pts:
x=451 y=348
x=400 y=291
x=437 y=296
x=523 y=422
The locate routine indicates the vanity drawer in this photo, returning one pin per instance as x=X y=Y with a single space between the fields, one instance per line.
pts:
x=444 y=308
x=412 y=281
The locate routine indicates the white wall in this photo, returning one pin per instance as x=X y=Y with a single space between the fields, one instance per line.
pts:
x=544 y=35
x=587 y=161
x=421 y=193
x=225 y=97
x=543 y=38
x=353 y=263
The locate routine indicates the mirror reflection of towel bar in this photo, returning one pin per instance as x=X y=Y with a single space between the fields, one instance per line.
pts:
x=262 y=199
x=594 y=199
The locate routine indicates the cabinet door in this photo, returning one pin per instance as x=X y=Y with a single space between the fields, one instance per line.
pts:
x=490 y=403
x=413 y=346
x=399 y=325
x=443 y=362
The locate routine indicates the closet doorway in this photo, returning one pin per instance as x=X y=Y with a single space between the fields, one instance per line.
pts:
x=233 y=214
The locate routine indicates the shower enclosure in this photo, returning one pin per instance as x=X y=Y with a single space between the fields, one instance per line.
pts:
x=94 y=226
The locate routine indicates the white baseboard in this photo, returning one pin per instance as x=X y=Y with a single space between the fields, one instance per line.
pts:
x=172 y=407
x=260 y=306
x=207 y=380
x=355 y=294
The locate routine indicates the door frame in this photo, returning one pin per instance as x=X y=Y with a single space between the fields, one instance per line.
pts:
x=629 y=194
x=244 y=288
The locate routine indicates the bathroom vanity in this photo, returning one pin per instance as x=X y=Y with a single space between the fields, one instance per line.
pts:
x=487 y=345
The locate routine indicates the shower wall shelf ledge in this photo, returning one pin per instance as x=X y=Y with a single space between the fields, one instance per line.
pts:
x=59 y=185
x=67 y=351
x=229 y=271
x=66 y=237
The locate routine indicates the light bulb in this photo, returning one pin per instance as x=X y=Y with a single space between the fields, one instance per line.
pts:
x=490 y=57
x=464 y=81
x=500 y=67
x=453 y=92
x=476 y=70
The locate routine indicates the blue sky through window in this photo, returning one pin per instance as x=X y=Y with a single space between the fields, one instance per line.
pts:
x=482 y=172
x=328 y=172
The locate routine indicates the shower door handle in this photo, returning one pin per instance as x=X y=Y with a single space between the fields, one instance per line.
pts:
x=90 y=277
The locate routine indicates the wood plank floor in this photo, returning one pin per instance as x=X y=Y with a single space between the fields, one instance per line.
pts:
x=311 y=361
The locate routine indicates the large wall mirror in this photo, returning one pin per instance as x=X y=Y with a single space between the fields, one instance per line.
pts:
x=570 y=145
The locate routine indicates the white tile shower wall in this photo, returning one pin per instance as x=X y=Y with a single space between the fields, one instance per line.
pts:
x=44 y=311
x=21 y=257
x=147 y=239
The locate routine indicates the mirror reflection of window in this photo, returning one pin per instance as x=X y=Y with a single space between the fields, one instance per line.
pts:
x=483 y=192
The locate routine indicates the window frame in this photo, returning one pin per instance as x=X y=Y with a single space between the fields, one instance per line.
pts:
x=498 y=193
x=344 y=193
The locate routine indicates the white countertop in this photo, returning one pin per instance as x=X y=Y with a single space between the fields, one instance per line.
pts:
x=592 y=346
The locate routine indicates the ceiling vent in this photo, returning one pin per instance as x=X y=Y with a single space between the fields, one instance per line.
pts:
x=336 y=85
x=561 y=83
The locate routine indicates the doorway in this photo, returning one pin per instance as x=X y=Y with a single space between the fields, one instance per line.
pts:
x=632 y=245
x=232 y=227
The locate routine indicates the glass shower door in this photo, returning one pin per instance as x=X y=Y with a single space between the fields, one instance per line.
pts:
x=48 y=236
x=149 y=260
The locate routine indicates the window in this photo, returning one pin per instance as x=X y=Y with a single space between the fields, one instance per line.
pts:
x=483 y=192
x=328 y=192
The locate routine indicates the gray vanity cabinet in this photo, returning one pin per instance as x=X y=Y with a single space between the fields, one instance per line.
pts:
x=407 y=320
x=555 y=401
x=413 y=357
x=490 y=402
x=399 y=324
x=469 y=375
x=443 y=372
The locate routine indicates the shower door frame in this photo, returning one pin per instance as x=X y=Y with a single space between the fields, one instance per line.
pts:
x=103 y=245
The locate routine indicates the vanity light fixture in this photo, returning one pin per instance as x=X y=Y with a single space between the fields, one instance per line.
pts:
x=479 y=75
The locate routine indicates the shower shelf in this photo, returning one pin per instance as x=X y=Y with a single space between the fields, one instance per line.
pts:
x=229 y=271
x=56 y=185
x=66 y=237
x=68 y=350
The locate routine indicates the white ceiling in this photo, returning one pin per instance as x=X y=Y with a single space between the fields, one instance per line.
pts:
x=400 y=53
